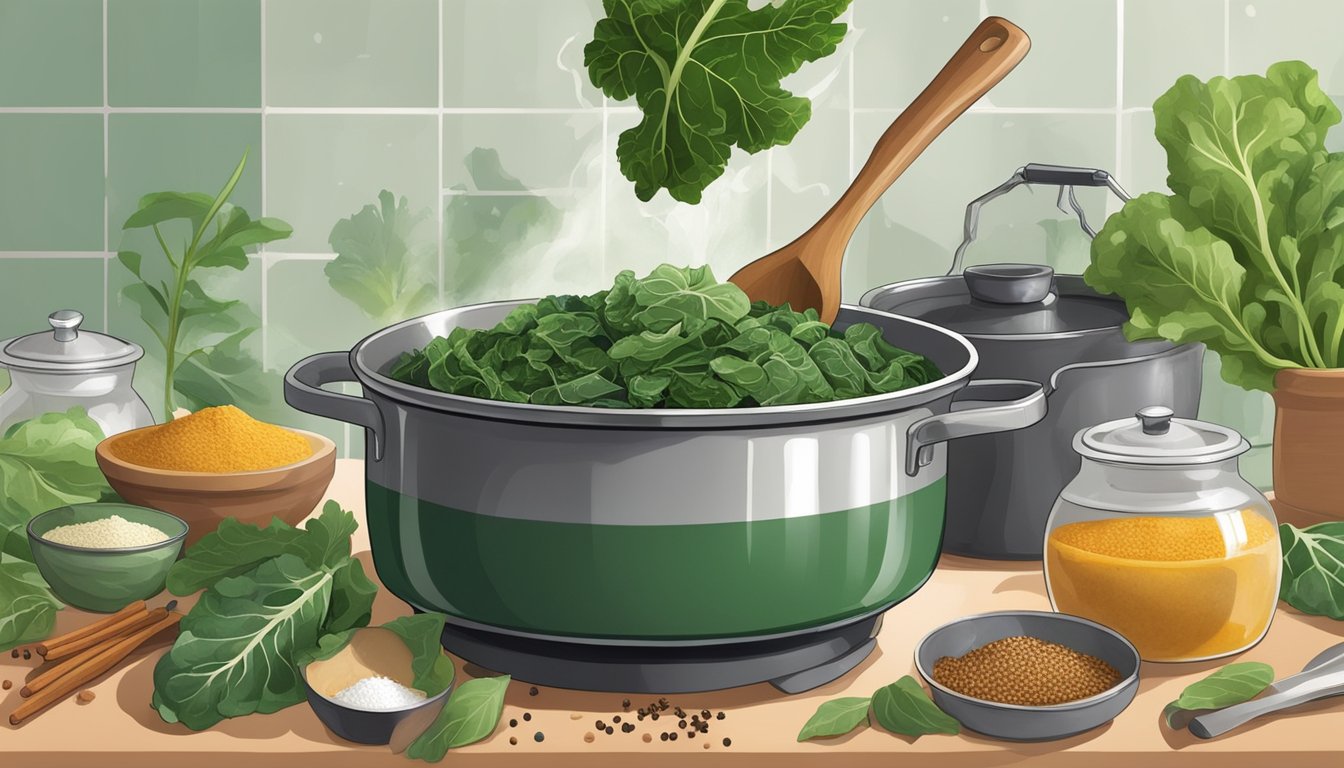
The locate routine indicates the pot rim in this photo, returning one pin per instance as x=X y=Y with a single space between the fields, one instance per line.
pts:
x=662 y=418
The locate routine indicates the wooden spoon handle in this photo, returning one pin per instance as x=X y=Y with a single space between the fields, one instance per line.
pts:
x=989 y=54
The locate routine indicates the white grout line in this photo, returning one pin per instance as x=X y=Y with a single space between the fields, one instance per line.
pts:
x=107 y=216
x=849 y=76
x=274 y=110
x=1227 y=38
x=439 y=234
x=104 y=255
x=276 y=257
x=541 y=192
x=1119 y=88
x=261 y=151
x=604 y=166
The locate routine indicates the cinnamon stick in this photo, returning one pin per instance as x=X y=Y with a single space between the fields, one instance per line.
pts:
x=125 y=626
x=91 y=670
x=75 y=662
x=137 y=608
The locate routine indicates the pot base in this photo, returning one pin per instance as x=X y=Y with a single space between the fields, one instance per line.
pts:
x=793 y=663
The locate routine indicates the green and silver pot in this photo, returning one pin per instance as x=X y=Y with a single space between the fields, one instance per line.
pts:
x=657 y=527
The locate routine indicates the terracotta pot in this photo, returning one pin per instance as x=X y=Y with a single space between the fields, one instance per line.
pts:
x=1309 y=442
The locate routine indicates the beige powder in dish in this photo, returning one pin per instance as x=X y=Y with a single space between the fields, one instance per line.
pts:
x=113 y=532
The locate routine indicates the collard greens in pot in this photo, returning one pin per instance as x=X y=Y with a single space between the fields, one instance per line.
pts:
x=677 y=338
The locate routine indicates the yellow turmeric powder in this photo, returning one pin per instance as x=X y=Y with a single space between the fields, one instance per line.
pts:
x=1180 y=588
x=221 y=439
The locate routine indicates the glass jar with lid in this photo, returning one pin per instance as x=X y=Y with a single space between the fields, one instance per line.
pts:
x=64 y=367
x=1161 y=539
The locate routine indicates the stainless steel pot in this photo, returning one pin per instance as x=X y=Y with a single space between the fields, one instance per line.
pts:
x=657 y=525
x=1030 y=324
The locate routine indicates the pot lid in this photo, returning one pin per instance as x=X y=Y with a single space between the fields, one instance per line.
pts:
x=1004 y=300
x=1153 y=436
x=66 y=348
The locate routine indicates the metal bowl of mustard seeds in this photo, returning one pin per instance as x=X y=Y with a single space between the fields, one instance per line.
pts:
x=1096 y=644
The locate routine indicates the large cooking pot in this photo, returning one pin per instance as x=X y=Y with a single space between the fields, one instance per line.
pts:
x=656 y=525
x=1028 y=323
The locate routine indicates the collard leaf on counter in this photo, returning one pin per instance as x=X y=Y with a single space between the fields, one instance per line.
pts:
x=234 y=655
x=48 y=462
x=1230 y=685
x=836 y=718
x=471 y=714
x=352 y=594
x=1313 y=568
x=705 y=74
x=27 y=607
x=234 y=548
x=903 y=707
x=422 y=633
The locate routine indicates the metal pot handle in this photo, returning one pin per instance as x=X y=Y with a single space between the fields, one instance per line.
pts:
x=1020 y=404
x=1195 y=350
x=303 y=390
x=1066 y=177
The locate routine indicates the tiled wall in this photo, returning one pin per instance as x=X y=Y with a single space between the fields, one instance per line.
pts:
x=479 y=112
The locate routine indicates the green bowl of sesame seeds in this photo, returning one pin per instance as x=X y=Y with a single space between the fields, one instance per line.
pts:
x=102 y=556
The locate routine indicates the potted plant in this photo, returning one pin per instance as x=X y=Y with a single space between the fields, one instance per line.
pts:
x=1246 y=255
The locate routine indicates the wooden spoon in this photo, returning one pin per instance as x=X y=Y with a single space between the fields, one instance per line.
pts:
x=806 y=272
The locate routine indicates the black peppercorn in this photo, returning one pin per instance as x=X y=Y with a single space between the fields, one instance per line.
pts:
x=540 y=736
x=719 y=716
x=704 y=713
x=672 y=736
x=527 y=716
x=14 y=654
x=681 y=723
x=610 y=730
x=662 y=737
x=513 y=723
x=27 y=654
x=727 y=742
x=601 y=725
x=616 y=719
x=654 y=715
x=625 y=704
x=690 y=735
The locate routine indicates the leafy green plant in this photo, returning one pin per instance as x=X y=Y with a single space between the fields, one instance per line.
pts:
x=1230 y=685
x=1245 y=255
x=471 y=714
x=27 y=607
x=381 y=263
x=705 y=74
x=902 y=707
x=201 y=337
x=236 y=652
x=675 y=339
x=1313 y=568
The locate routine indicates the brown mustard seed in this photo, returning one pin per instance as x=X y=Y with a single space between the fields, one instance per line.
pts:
x=6 y=685
x=14 y=654
x=589 y=737
x=1026 y=671
x=513 y=741
x=706 y=745
x=648 y=737
x=85 y=697
x=575 y=716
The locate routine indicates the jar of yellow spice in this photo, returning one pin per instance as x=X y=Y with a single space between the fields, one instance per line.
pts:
x=1161 y=539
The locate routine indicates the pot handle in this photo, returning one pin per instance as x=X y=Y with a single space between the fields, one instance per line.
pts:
x=1019 y=404
x=303 y=390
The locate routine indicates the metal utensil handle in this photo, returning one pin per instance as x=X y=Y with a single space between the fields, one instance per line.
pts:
x=1020 y=404
x=1217 y=723
x=1066 y=177
x=303 y=390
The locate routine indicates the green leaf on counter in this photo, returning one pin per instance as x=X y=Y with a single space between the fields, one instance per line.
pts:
x=235 y=548
x=422 y=633
x=1230 y=685
x=352 y=594
x=384 y=261
x=27 y=607
x=705 y=74
x=1313 y=568
x=903 y=707
x=471 y=714
x=835 y=718
x=234 y=655
x=48 y=462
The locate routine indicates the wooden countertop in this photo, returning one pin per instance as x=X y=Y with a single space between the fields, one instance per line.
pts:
x=119 y=728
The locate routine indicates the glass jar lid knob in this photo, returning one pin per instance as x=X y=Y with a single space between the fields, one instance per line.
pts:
x=65 y=324
x=1156 y=419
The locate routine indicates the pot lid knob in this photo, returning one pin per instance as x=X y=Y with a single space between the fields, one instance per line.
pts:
x=1009 y=283
x=65 y=323
x=1156 y=419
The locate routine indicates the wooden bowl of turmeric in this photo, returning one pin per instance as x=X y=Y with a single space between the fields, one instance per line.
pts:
x=218 y=463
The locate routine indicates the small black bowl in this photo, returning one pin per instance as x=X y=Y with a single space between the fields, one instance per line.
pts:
x=365 y=726
x=1014 y=722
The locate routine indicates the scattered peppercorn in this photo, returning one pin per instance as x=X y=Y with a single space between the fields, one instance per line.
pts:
x=681 y=723
x=610 y=730
x=6 y=685
x=85 y=697
x=663 y=736
x=513 y=741
x=727 y=742
x=532 y=691
x=14 y=654
x=648 y=737
x=616 y=719
x=690 y=734
x=27 y=654
x=704 y=713
x=706 y=745
x=654 y=715
x=628 y=728
x=672 y=736
x=601 y=725
x=527 y=716
x=540 y=736
x=588 y=737
x=625 y=704
x=513 y=723
x=719 y=716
